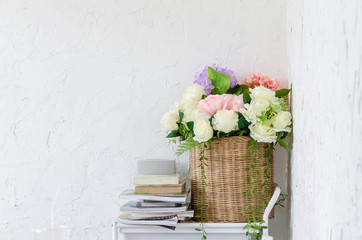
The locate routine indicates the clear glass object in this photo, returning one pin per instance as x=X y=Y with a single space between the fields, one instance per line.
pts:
x=56 y=233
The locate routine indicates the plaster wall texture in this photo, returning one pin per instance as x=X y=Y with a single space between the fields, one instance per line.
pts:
x=84 y=85
x=325 y=69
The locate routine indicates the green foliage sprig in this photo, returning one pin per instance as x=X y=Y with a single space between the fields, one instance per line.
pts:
x=255 y=229
x=187 y=146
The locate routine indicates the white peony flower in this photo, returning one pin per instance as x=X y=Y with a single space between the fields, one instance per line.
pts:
x=262 y=133
x=281 y=121
x=193 y=116
x=169 y=120
x=249 y=114
x=261 y=100
x=188 y=105
x=261 y=92
x=191 y=97
x=225 y=121
x=203 y=130
x=195 y=92
x=260 y=104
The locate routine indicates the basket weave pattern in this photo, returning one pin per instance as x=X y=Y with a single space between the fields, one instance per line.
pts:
x=227 y=179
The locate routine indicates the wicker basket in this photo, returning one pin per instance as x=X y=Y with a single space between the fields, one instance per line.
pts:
x=227 y=179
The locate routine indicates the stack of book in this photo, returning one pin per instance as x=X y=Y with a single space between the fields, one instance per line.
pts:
x=158 y=199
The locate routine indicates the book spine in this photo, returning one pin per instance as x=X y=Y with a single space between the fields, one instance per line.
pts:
x=147 y=189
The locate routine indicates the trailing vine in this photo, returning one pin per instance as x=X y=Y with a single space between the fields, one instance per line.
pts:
x=254 y=228
x=187 y=146
x=281 y=200
x=203 y=159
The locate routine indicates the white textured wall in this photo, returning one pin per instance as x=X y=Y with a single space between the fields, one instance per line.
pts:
x=325 y=65
x=84 y=84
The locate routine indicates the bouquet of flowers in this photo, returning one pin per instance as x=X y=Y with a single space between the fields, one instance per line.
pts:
x=217 y=105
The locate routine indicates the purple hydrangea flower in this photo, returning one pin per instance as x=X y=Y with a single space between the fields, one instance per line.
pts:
x=203 y=78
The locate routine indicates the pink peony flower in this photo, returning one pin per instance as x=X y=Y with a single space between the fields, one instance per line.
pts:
x=257 y=79
x=214 y=103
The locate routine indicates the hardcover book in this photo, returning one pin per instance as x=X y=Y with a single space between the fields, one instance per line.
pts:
x=163 y=197
x=136 y=207
x=186 y=214
x=167 y=188
x=155 y=179
x=147 y=203
x=160 y=221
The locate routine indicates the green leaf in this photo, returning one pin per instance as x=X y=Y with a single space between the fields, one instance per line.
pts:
x=281 y=135
x=198 y=229
x=243 y=124
x=173 y=134
x=181 y=115
x=238 y=89
x=283 y=144
x=246 y=97
x=190 y=126
x=282 y=92
x=221 y=134
x=219 y=80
